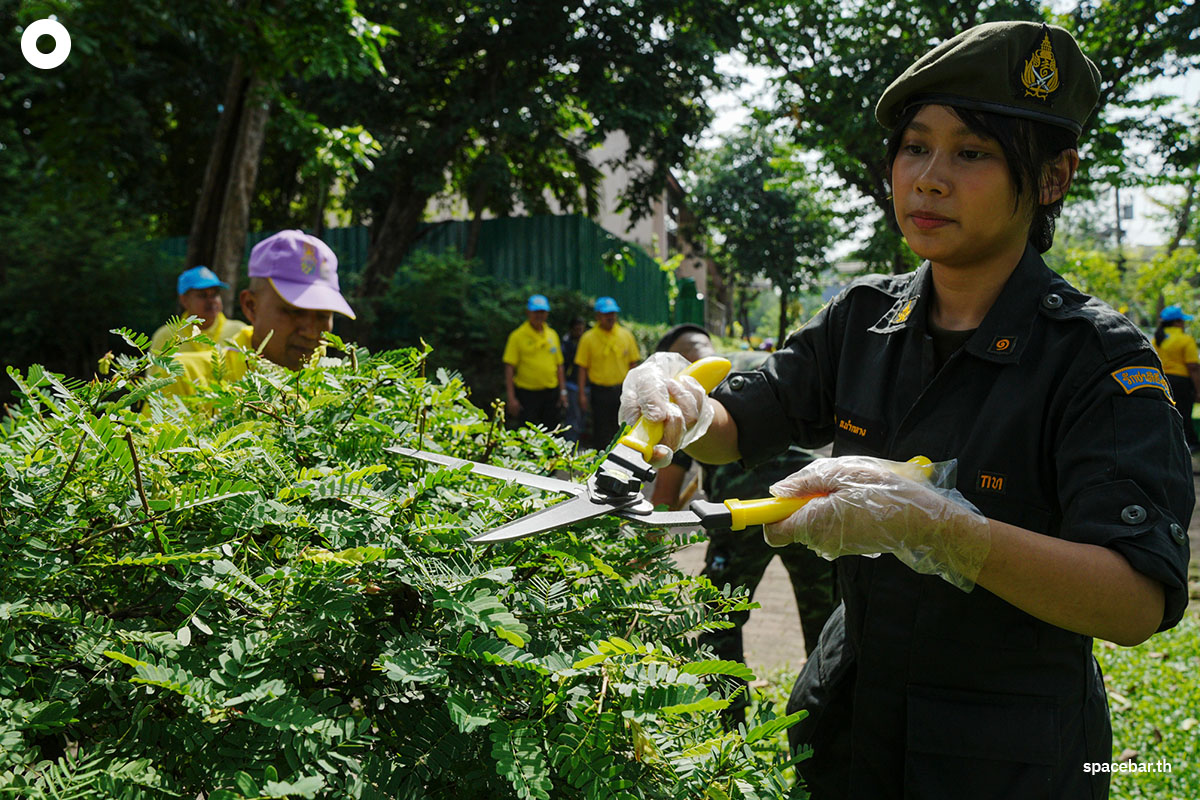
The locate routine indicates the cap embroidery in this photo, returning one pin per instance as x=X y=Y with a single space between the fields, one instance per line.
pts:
x=1040 y=76
x=308 y=260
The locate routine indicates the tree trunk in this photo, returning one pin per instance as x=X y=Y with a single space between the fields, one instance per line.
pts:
x=1183 y=220
x=219 y=226
x=784 y=295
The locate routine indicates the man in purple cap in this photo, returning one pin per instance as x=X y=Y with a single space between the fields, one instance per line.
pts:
x=199 y=292
x=290 y=302
x=292 y=295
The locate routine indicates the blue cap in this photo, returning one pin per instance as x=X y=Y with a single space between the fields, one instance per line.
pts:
x=1174 y=314
x=537 y=302
x=198 y=278
x=606 y=305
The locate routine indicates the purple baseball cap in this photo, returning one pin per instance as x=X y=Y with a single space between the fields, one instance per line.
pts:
x=302 y=269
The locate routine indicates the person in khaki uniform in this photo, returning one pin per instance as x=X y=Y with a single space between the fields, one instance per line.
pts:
x=605 y=355
x=533 y=369
x=200 y=296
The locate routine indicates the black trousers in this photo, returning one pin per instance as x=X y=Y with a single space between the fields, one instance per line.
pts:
x=1185 y=397
x=606 y=401
x=538 y=406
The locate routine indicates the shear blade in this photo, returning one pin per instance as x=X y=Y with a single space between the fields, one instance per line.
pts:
x=558 y=515
x=488 y=471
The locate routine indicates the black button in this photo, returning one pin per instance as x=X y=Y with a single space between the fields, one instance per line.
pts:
x=737 y=382
x=1052 y=301
x=1178 y=533
x=1132 y=515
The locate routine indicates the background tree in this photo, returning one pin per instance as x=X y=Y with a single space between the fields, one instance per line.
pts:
x=481 y=98
x=837 y=58
x=763 y=214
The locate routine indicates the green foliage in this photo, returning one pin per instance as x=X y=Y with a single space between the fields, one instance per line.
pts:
x=440 y=299
x=1154 y=697
x=837 y=58
x=763 y=215
x=242 y=595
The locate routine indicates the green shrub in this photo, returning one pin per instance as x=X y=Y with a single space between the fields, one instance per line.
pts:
x=247 y=597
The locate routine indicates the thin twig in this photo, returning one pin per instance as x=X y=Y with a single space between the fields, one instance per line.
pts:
x=137 y=474
x=66 y=476
x=269 y=413
x=88 y=540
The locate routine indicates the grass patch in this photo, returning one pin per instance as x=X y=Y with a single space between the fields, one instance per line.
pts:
x=1154 y=696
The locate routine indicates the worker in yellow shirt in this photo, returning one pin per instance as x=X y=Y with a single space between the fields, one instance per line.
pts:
x=290 y=302
x=1181 y=364
x=199 y=292
x=533 y=369
x=606 y=352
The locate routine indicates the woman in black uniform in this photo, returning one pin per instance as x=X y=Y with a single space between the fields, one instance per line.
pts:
x=960 y=665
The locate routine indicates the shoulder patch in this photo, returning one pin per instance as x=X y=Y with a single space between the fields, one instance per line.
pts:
x=1133 y=378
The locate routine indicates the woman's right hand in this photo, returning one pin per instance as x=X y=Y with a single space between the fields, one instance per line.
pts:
x=654 y=390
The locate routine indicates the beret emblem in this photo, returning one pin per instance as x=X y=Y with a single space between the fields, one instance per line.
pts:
x=1040 y=76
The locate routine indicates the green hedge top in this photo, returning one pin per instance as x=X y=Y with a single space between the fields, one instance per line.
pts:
x=247 y=597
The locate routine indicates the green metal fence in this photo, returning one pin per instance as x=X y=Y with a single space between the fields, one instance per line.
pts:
x=569 y=251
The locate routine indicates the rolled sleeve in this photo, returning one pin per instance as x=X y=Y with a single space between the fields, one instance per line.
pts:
x=789 y=400
x=1140 y=503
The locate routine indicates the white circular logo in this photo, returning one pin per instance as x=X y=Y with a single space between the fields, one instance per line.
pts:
x=53 y=29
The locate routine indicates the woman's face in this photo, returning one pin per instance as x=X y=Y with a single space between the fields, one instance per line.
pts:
x=953 y=194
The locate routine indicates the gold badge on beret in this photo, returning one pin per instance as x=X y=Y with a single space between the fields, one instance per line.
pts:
x=1040 y=76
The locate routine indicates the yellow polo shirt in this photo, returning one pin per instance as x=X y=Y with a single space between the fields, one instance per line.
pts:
x=535 y=357
x=1177 y=350
x=607 y=355
x=198 y=365
x=221 y=331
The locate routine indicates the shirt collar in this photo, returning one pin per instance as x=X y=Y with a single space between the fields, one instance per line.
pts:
x=1005 y=330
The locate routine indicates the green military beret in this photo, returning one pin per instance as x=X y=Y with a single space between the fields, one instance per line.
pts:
x=1022 y=69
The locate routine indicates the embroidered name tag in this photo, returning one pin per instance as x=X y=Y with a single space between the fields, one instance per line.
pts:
x=991 y=482
x=1133 y=378
x=857 y=428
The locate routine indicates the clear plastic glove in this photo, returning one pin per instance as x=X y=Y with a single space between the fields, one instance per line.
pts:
x=653 y=389
x=867 y=506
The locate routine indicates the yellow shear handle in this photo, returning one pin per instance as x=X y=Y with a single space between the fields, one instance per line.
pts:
x=709 y=372
x=744 y=513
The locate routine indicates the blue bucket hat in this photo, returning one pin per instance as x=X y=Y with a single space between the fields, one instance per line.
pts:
x=606 y=305
x=537 y=302
x=198 y=278
x=1174 y=314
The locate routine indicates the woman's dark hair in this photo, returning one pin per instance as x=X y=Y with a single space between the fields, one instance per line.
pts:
x=1028 y=146
x=1160 y=332
x=669 y=338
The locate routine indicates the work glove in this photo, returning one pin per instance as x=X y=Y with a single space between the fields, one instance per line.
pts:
x=655 y=390
x=867 y=506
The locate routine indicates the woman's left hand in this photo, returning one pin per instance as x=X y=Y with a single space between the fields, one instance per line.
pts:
x=867 y=506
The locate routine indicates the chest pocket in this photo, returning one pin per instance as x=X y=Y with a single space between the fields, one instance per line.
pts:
x=856 y=434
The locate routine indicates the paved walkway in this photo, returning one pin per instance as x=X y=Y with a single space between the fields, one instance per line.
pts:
x=773 y=639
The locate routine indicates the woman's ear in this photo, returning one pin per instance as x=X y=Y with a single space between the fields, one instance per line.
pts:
x=1057 y=177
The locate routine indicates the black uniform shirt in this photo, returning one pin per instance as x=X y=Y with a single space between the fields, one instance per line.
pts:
x=1061 y=423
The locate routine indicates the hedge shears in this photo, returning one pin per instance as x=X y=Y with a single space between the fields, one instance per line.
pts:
x=616 y=486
